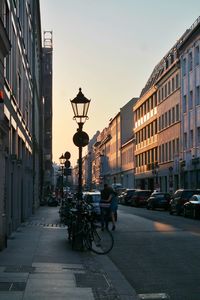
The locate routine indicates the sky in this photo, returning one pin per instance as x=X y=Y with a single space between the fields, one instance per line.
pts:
x=108 y=48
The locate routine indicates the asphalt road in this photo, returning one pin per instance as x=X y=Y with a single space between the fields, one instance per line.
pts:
x=158 y=253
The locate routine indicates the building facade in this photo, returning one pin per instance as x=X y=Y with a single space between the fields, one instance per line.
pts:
x=146 y=138
x=5 y=47
x=160 y=148
x=189 y=51
x=19 y=111
x=168 y=123
x=127 y=145
x=47 y=115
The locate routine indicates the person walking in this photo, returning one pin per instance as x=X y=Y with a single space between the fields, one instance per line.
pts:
x=105 y=204
x=113 y=207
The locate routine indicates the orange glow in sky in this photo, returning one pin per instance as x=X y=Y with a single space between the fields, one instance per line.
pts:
x=108 y=48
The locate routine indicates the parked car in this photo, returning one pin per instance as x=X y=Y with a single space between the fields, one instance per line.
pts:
x=158 y=200
x=140 y=197
x=52 y=201
x=128 y=196
x=179 y=198
x=121 y=197
x=93 y=198
x=192 y=207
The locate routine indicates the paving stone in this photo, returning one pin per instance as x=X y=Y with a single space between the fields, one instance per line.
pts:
x=11 y=295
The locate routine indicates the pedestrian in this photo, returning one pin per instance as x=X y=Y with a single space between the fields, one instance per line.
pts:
x=105 y=204
x=113 y=207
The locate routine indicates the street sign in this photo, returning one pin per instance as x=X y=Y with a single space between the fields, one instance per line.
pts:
x=81 y=139
x=67 y=155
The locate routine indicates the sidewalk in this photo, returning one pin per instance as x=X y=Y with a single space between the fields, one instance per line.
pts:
x=39 y=264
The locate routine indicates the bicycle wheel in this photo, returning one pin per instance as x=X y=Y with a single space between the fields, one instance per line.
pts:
x=99 y=241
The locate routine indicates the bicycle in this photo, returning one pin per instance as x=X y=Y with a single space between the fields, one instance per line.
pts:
x=85 y=229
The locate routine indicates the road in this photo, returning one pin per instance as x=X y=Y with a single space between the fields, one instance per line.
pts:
x=158 y=253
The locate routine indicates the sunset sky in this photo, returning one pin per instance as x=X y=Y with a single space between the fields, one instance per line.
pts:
x=108 y=48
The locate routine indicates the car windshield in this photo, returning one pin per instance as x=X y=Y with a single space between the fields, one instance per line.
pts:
x=160 y=196
x=130 y=192
x=188 y=194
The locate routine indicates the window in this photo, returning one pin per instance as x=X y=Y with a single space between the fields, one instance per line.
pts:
x=169 y=87
x=148 y=157
x=19 y=83
x=166 y=123
x=144 y=108
x=184 y=103
x=190 y=61
x=144 y=133
x=173 y=114
x=148 y=130
x=191 y=100
x=155 y=100
x=147 y=105
x=172 y=58
x=141 y=111
x=140 y=136
x=165 y=90
x=156 y=154
x=198 y=135
x=177 y=145
x=163 y=125
x=173 y=146
x=137 y=138
x=163 y=152
x=7 y=26
x=197 y=55
x=177 y=81
x=138 y=114
x=191 y=138
x=169 y=117
x=197 y=96
x=177 y=113
x=151 y=103
x=156 y=127
x=152 y=154
x=152 y=129
x=160 y=158
x=162 y=94
x=184 y=67
x=159 y=124
x=172 y=84
x=13 y=141
x=166 y=151
x=170 y=150
x=159 y=98
x=185 y=140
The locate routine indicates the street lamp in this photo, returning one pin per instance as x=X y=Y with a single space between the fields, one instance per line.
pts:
x=80 y=105
x=62 y=160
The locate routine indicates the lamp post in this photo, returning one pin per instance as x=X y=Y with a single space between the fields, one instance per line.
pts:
x=62 y=160
x=80 y=105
